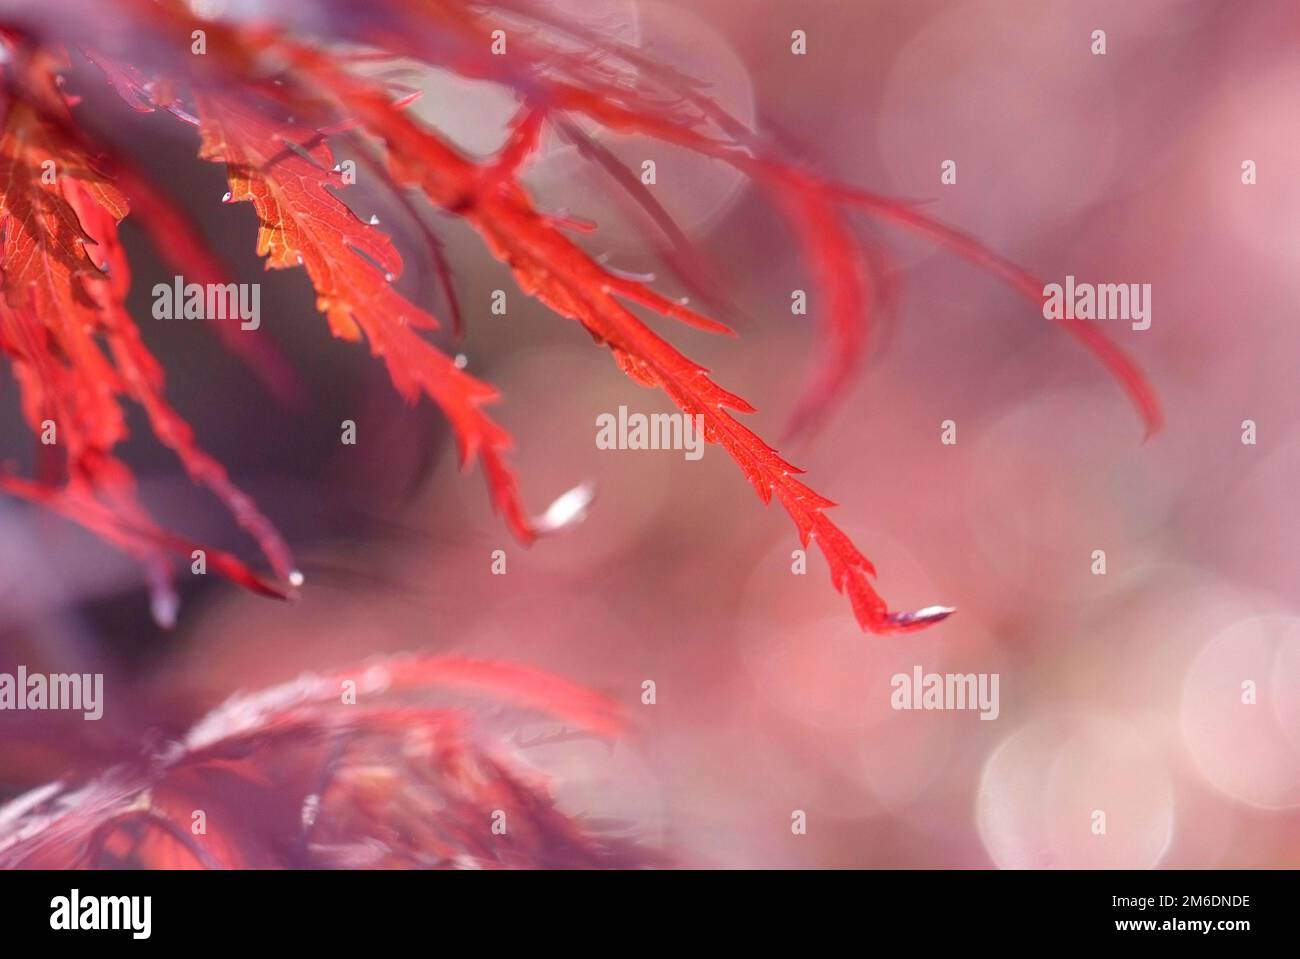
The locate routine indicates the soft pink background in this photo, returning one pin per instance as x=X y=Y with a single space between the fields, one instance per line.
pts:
x=1118 y=692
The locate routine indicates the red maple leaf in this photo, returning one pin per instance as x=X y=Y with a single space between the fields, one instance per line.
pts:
x=412 y=772
x=242 y=95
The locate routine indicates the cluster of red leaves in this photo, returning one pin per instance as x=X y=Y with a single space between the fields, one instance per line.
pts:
x=409 y=775
x=266 y=102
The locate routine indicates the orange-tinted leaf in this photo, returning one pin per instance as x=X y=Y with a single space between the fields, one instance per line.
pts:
x=352 y=266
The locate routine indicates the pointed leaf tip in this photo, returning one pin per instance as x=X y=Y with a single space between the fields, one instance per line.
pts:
x=920 y=618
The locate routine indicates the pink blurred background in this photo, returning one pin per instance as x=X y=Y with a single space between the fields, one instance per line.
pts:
x=1118 y=692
